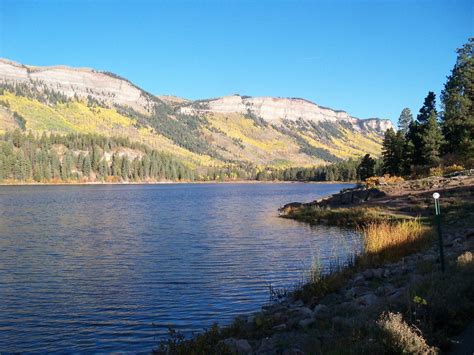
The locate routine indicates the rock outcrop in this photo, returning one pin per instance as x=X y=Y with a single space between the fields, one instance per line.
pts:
x=82 y=82
x=278 y=110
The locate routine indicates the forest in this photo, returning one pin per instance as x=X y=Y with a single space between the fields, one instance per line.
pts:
x=83 y=158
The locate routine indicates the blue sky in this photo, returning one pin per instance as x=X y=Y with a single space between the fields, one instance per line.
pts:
x=370 y=58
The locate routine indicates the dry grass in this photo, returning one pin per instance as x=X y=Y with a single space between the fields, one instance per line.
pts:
x=386 y=241
x=465 y=259
x=402 y=338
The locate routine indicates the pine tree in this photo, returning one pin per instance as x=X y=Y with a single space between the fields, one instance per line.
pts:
x=392 y=152
x=116 y=165
x=96 y=156
x=428 y=107
x=103 y=169
x=458 y=105
x=86 y=166
x=431 y=141
x=366 y=167
x=404 y=121
x=125 y=170
x=424 y=134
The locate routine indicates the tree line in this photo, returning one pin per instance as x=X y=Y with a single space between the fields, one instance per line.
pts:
x=436 y=138
x=84 y=157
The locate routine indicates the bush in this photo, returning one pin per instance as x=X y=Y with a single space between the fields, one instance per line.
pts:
x=436 y=171
x=383 y=180
x=454 y=168
x=402 y=338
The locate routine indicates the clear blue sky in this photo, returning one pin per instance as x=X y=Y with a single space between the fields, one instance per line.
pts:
x=370 y=58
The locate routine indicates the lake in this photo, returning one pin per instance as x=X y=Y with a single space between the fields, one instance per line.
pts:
x=110 y=267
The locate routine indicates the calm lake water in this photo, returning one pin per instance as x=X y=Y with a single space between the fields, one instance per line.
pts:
x=109 y=268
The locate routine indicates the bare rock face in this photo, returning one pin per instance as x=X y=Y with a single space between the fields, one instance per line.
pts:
x=82 y=82
x=114 y=90
x=277 y=110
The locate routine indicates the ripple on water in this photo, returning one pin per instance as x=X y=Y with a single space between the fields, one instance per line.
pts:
x=110 y=268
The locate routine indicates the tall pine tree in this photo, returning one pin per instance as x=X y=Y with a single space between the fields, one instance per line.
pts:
x=404 y=121
x=457 y=98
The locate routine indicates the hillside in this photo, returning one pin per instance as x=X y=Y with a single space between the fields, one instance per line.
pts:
x=236 y=130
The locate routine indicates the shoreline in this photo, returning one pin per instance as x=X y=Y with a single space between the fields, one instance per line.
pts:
x=178 y=182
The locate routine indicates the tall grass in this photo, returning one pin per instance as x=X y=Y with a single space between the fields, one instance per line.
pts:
x=385 y=241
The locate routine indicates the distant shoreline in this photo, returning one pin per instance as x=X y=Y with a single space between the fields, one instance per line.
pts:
x=179 y=182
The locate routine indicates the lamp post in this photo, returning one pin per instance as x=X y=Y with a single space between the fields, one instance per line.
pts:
x=438 y=222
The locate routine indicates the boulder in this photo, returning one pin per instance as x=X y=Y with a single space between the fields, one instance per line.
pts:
x=367 y=300
x=237 y=346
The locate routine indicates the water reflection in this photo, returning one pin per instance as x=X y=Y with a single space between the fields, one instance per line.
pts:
x=94 y=267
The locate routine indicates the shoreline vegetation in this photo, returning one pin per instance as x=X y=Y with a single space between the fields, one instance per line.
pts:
x=211 y=182
x=391 y=297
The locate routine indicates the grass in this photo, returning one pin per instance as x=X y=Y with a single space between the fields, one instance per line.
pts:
x=385 y=241
x=351 y=217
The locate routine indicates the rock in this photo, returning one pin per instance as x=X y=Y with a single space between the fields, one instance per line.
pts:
x=267 y=346
x=368 y=274
x=293 y=351
x=342 y=322
x=297 y=304
x=359 y=279
x=320 y=311
x=386 y=273
x=367 y=300
x=386 y=290
x=237 y=346
x=357 y=291
x=280 y=327
x=416 y=279
x=378 y=273
x=330 y=299
x=306 y=322
x=397 y=294
x=303 y=312
x=251 y=318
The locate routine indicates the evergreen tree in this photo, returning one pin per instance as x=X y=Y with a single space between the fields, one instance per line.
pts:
x=366 y=167
x=103 y=169
x=86 y=166
x=66 y=166
x=458 y=105
x=116 y=165
x=392 y=152
x=404 y=121
x=429 y=106
x=125 y=170
x=431 y=141
x=424 y=134
x=96 y=156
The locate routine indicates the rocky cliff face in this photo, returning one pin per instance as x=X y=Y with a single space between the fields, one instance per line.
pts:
x=82 y=82
x=278 y=110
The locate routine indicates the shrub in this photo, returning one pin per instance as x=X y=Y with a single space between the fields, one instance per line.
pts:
x=402 y=338
x=465 y=259
x=383 y=180
x=436 y=171
x=453 y=169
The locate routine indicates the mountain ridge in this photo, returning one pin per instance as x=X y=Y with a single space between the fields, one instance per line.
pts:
x=263 y=131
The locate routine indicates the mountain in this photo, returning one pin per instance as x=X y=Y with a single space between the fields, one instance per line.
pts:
x=256 y=131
